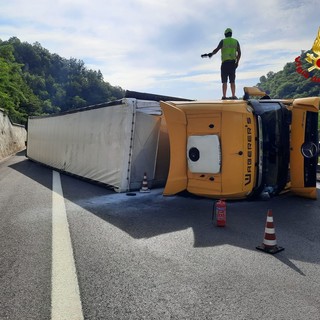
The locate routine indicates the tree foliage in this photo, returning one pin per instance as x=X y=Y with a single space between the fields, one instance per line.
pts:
x=34 y=81
x=292 y=81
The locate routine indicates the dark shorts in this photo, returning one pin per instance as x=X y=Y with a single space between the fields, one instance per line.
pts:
x=228 y=70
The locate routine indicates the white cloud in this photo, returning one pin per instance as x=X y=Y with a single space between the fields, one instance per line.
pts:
x=155 y=46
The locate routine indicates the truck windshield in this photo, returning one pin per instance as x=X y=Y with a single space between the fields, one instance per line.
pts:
x=275 y=145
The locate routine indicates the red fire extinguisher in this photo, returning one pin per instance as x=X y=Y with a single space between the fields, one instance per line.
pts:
x=220 y=213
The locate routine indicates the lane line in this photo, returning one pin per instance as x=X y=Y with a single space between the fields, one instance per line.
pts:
x=65 y=295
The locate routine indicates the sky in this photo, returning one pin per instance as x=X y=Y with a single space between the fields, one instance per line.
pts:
x=155 y=46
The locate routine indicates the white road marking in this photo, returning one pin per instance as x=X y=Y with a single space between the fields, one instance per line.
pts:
x=65 y=295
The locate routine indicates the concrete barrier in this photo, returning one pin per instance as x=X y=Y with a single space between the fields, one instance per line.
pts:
x=12 y=136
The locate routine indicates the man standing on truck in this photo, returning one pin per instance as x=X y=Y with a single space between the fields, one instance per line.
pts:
x=230 y=57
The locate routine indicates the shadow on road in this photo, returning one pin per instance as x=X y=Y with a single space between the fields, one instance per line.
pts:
x=296 y=220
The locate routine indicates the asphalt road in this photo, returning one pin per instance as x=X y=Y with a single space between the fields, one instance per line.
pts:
x=153 y=257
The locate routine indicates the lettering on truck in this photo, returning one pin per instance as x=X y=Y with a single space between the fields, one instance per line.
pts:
x=247 y=176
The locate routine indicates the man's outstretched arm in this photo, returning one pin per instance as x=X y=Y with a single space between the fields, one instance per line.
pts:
x=213 y=52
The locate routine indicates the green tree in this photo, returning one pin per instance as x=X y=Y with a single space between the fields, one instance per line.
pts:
x=15 y=95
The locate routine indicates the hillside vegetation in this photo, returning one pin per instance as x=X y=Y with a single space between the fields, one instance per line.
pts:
x=34 y=81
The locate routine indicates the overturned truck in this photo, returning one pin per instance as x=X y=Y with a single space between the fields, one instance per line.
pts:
x=230 y=149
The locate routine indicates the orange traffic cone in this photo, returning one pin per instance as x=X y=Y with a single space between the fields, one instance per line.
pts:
x=269 y=244
x=144 y=187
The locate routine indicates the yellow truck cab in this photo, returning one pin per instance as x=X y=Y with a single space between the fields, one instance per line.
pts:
x=236 y=149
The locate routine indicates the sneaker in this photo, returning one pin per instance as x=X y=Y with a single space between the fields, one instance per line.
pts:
x=224 y=98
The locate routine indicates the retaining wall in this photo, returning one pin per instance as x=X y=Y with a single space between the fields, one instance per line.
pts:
x=12 y=136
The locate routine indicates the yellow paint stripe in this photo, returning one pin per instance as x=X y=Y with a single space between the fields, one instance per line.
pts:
x=65 y=295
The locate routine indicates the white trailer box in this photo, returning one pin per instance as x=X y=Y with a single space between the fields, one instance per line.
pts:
x=113 y=143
